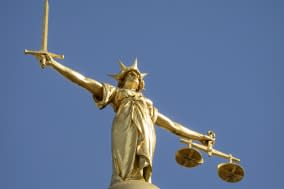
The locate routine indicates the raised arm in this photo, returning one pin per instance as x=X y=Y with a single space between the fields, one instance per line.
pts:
x=91 y=85
x=180 y=130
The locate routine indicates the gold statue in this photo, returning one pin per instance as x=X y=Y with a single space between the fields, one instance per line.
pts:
x=133 y=131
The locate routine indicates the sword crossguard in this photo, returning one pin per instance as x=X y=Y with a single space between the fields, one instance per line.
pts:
x=39 y=54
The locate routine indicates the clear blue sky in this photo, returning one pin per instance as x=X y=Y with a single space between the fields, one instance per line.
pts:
x=212 y=64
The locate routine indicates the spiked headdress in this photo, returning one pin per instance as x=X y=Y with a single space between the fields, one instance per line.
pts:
x=124 y=70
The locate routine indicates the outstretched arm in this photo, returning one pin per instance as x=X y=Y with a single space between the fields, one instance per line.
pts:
x=180 y=130
x=91 y=85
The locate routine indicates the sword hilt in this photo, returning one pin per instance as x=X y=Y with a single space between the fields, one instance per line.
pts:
x=38 y=55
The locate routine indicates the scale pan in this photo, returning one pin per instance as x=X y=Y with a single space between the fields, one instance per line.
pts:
x=230 y=172
x=188 y=157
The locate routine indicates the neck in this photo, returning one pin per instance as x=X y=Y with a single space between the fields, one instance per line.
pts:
x=130 y=86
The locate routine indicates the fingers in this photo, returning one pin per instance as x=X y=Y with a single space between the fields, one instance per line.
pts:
x=206 y=139
x=42 y=61
x=45 y=60
x=211 y=134
x=48 y=58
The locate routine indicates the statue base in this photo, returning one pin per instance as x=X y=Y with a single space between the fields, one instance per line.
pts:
x=133 y=184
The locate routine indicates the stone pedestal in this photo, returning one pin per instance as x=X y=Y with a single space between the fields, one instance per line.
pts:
x=133 y=184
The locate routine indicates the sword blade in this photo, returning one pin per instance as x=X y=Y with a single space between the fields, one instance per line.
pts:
x=45 y=27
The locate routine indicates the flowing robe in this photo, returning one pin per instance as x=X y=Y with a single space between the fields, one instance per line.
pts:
x=133 y=133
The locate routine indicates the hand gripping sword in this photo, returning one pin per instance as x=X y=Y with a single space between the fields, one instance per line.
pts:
x=44 y=50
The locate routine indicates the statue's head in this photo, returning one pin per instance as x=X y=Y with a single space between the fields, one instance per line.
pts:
x=130 y=77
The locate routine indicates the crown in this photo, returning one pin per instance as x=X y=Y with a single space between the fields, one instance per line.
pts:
x=124 y=70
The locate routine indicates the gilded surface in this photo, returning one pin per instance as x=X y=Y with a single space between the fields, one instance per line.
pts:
x=133 y=128
x=133 y=133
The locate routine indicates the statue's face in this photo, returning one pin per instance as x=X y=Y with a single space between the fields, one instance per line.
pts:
x=131 y=80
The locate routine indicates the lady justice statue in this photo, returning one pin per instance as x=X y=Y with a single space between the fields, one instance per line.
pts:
x=133 y=127
x=133 y=131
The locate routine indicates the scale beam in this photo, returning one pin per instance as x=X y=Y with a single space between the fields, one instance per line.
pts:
x=210 y=150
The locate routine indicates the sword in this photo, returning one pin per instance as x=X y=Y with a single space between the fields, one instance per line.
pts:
x=44 y=50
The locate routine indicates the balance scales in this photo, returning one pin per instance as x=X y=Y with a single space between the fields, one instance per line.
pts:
x=190 y=157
